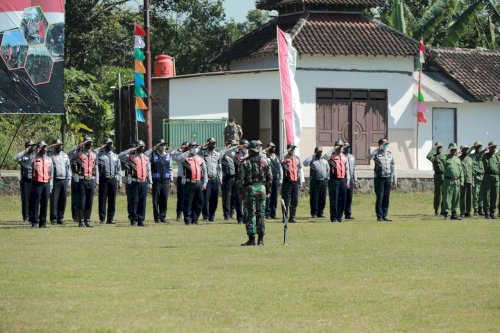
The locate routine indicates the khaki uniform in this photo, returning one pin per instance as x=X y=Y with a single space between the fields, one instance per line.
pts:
x=453 y=179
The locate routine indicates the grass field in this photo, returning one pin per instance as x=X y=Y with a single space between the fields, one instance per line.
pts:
x=416 y=274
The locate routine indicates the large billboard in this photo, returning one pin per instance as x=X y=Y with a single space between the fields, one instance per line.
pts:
x=32 y=53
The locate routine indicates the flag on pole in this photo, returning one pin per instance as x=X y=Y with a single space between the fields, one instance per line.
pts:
x=139 y=55
x=138 y=30
x=139 y=104
x=139 y=67
x=290 y=100
x=139 y=42
x=421 y=109
x=139 y=79
x=140 y=116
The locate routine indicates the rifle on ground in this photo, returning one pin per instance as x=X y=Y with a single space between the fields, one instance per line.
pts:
x=285 y=222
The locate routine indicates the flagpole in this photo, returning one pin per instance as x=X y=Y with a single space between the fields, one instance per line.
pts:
x=149 y=90
x=282 y=133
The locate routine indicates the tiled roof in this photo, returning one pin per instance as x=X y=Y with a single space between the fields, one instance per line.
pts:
x=273 y=4
x=325 y=34
x=477 y=71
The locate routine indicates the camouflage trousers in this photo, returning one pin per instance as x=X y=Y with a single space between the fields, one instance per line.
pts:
x=255 y=209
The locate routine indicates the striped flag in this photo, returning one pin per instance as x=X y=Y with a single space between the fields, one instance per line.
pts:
x=290 y=100
x=421 y=109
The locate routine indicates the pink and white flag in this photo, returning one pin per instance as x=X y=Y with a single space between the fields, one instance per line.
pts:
x=287 y=56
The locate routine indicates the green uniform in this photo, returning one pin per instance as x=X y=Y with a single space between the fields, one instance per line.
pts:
x=255 y=180
x=478 y=174
x=438 y=166
x=489 y=186
x=453 y=179
x=466 y=189
x=232 y=133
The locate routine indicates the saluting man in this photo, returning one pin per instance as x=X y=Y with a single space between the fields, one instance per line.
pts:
x=292 y=181
x=140 y=172
x=255 y=180
x=477 y=177
x=214 y=174
x=110 y=180
x=437 y=157
x=239 y=198
x=277 y=172
x=161 y=168
x=85 y=178
x=228 y=177
x=25 y=160
x=453 y=179
x=466 y=189
x=43 y=171
x=339 y=182
x=490 y=185
x=62 y=176
x=385 y=177
x=318 y=183
x=176 y=156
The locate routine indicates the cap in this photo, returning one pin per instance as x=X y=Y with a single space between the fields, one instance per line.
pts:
x=339 y=143
x=346 y=144
x=253 y=146
x=29 y=143
x=161 y=142
x=464 y=147
x=317 y=149
x=438 y=144
x=383 y=141
x=477 y=143
x=185 y=143
x=244 y=142
x=107 y=140
x=271 y=144
x=453 y=146
x=140 y=143
x=492 y=144
x=57 y=142
x=211 y=140
x=258 y=142
x=87 y=139
x=41 y=143
x=193 y=144
x=290 y=146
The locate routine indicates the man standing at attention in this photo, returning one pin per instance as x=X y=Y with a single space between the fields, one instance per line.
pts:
x=385 y=177
x=109 y=166
x=62 y=176
x=489 y=187
x=437 y=158
x=292 y=181
x=161 y=171
x=453 y=180
x=477 y=178
x=318 y=183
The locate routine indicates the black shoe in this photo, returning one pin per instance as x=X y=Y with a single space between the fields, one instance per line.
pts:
x=321 y=216
x=205 y=219
x=386 y=219
x=157 y=221
x=102 y=222
x=26 y=221
x=226 y=218
x=141 y=224
x=456 y=217
x=333 y=220
x=81 y=225
x=475 y=212
x=487 y=216
x=179 y=217
x=53 y=222
x=133 y=224
x=339 y=220
x=240 y=221
x=250 y=242
x=436 y=213
x=313 y=216
x=194 y=222
x=268 y=217
x=88 y=224
x=163 y=221
x=260 y=242
x=34 y=225
x=467 y=215
x=211 y=219
x=60 y=222
x=380 y=219
x=480 y=212
x=110 y=222
x=349 y=218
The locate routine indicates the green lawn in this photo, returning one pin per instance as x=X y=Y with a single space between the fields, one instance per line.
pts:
x=416 y=274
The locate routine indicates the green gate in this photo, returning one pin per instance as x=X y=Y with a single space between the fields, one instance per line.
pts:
x=176 y=131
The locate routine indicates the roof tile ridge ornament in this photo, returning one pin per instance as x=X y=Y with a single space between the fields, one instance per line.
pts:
x=299 y=25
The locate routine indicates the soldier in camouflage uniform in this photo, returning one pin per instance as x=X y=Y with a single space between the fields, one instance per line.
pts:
x=255 y=180
x=489 y=187
x=437 y=157
x=453 y=179
x=232 y=131
x=477 y=178
x=466 y=189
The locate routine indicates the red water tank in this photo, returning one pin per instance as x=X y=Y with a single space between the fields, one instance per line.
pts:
x=164 y=66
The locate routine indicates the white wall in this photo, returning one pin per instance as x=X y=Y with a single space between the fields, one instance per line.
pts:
x=475 y=121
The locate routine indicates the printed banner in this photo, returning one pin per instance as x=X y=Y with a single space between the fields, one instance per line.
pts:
x=32 y=53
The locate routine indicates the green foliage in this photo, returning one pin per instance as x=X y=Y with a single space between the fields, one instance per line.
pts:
x=396 y=18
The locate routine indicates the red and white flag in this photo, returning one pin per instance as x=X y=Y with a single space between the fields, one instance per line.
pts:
x=290 y=100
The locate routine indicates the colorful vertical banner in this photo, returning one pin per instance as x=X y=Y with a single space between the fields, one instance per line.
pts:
x=31 y=56
x=290 y=99
x=140 y=70
x=421 y=108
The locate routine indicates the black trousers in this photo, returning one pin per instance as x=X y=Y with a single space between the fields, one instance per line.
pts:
x=85 y=199
x=383 y=192
x=349 y=193
x=128 y=191
x=211 y=198
x=161 y=189
x=107 y=195
x=74 y=200
x=193 y=201
x=317 y=198
x=290 y=193
x=179 y=185
x=336 y=191
x=272 y=200
x=58 y=200
x=227 y=194
x=138 y=195
x=39 y=200
x=25 y=185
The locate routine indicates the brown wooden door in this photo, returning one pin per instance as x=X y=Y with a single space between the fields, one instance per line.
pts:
x=332 y=122
x=360 y=126
x=251 y=119
x=378 y=121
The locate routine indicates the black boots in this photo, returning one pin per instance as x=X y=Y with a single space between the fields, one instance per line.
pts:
x=250 y=242
x=179 y=217
x=293 y=211
x=260 y=242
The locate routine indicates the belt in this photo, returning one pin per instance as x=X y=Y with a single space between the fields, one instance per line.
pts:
x=86 y=178
x=108 y=177
x=139 y=180
x=192 y=181
x=158 y=175
x=453 y=178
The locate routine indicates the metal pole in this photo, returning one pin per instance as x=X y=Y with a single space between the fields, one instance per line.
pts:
x=149 y=91
x=118 y=134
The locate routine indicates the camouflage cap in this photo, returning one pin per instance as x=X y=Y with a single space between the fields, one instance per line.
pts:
x=477 y=143
x=438 y=144
x=492 y=144
x=253 y=146
x=453 y=146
